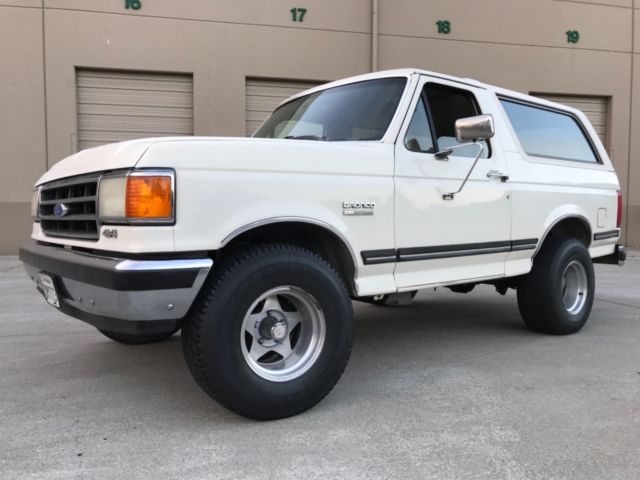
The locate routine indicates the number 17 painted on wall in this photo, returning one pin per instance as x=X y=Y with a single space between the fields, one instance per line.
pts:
x=297 y=14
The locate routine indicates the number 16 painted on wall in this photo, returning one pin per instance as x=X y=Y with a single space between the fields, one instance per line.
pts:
x=133 y=4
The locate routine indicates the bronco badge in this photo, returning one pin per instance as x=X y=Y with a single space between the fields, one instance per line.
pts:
x=358 y=208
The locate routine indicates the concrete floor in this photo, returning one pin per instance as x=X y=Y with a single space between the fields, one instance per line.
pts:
x=451 y=387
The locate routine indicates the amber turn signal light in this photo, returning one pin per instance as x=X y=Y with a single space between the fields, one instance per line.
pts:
x=149 y=197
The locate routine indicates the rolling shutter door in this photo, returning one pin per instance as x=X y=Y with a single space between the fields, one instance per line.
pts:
x=116 y=106
x=595 y=108
x=263 y=96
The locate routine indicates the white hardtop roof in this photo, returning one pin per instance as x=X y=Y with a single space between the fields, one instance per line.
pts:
x=407 y=72
x=399 y=72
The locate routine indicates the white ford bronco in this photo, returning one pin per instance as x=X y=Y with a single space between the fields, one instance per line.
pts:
x=369 y=188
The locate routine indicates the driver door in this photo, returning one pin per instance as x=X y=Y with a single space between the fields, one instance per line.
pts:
x=448 y=241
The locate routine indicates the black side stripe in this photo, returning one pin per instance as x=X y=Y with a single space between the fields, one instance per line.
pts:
x=526 y=244
x=373 y=257
x=447 y=251
x=607 y=234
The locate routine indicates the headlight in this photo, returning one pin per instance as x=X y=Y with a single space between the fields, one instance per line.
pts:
x=111 y=198
x=143 y=196
x=35 y=202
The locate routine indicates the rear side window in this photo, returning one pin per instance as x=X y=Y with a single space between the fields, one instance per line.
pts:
x=549 y=133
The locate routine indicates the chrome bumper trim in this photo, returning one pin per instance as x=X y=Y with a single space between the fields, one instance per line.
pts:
x=154 y=265
x=119 y=289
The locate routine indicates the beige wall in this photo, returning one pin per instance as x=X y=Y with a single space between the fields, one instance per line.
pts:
x=518 y=44
x=632 y=218
x=522 y=45
x=22 y=126
x=219 y=55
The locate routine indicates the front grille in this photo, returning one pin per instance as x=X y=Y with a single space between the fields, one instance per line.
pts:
x=77 y=205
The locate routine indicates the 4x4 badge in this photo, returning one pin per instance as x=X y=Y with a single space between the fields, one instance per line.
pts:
x=110 y=233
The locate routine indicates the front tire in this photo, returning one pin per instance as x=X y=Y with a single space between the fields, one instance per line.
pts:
x=557 y=295
x=271 y=333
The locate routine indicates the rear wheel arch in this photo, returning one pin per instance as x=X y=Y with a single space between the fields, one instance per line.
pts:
x=310 y=234
x=568 y=226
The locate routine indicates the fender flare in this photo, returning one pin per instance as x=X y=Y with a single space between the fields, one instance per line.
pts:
x=559 y=219
x=311 y=221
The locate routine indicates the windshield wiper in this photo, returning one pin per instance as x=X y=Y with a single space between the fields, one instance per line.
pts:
x=307 y=137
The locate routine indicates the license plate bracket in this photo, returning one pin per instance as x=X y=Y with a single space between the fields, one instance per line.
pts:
x=49 y=290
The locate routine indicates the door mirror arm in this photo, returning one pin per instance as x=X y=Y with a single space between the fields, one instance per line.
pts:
x=443 y=155
x=469 y=129
x=451 y=195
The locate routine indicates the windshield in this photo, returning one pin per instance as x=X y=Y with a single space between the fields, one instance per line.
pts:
x=357 y=111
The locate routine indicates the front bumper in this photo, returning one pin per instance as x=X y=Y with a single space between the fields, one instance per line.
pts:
x=117 y=294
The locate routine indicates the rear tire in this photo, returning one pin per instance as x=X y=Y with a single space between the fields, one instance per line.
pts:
x=137 y=339
x=557 y=295
x=271 y=333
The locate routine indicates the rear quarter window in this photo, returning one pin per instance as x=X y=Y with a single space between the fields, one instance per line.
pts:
x=549 y=133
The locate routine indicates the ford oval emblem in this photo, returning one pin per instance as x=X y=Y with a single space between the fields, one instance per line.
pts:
x=60 y=209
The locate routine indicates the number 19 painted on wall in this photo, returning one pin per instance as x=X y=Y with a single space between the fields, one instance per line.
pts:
x=573 y=36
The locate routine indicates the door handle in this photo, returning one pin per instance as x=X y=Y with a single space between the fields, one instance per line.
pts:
x=496 y=174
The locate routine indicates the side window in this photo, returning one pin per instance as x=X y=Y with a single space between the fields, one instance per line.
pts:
x=445 y=106
x=418 y=137
x=549 y=133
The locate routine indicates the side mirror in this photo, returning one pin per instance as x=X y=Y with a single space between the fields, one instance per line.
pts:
x=471 y=129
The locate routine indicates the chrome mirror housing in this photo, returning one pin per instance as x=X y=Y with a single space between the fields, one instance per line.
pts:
x=472 y=129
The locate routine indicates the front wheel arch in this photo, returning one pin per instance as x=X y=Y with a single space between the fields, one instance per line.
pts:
x=309 y=234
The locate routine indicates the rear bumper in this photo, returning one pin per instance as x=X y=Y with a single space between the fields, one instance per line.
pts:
x=618 y=256
x=116 y=294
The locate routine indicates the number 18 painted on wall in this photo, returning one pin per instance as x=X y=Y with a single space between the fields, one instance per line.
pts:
x=444 y=26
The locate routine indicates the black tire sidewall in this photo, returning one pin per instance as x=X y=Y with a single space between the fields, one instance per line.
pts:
x=540 y=293
x=568 y=252
x=222 y=326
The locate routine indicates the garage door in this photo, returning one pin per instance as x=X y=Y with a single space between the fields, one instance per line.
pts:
x=595 y=108
x=263 y=96
x=116 y=106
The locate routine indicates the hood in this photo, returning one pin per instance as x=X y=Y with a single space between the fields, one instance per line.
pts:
x=227 y=153
x=106 y=157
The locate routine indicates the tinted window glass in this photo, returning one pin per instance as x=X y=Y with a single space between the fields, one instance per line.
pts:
x=418 y=137
x=357 y=111
x=547 y=133
x=448 y=105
